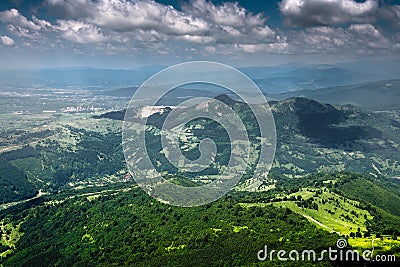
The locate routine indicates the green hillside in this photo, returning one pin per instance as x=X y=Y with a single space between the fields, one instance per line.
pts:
x=14 y=184
x=95 y=215
x=119 y=225
x=128 y=228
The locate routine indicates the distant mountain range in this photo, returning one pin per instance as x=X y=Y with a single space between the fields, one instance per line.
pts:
x=82 y=77
x=298 y=76
x=377 y=95
x=271 y=79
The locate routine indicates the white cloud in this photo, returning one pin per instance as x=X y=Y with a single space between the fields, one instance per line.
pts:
x=231 y=23
x=79 y=32
x=369 y=35
x=197 y=39
x=21 y=26
x=365 y=29
x=203 y=28
x=273 y=48
x=199 y=21
x=227 y=13
x=13 y=17
x=42 y=24
x=37 y=29
x=128 y=16
x=122 y=16
x=5 y=40
x=327 y=12
x=319 y=39
x=330 y=39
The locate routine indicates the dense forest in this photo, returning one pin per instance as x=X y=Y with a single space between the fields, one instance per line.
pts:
x=132 y=229
x=123 y=226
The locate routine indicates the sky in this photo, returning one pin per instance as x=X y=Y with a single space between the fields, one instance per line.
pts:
x=133 y=33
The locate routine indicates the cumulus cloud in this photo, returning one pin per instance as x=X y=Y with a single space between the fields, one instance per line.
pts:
x=35 y=28
x=113 y=25
x=79 y=32
x=14 y=17
x=319 y=39
x=272 y=48
x=122 y=16
x=5 y=40
x=231 y=23
x=202 y=27
x=199 y=21
x=230 y=14
x=329 y=39
x=369 y=35
x=327 y=12
x=21 y=26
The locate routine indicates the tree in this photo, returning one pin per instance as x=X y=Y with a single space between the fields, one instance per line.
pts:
x=394 y=236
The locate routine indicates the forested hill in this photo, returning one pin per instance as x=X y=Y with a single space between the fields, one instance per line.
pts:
x=313 y=136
